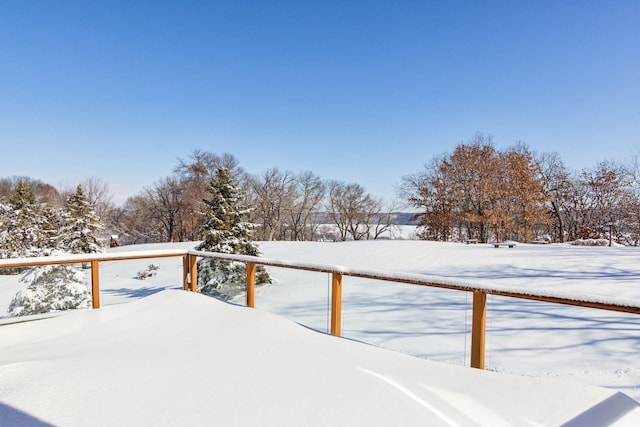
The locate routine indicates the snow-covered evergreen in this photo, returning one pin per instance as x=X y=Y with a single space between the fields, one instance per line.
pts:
x=31 y=229
x=25 y=225
x=225 y=231
x=80 y=224
x=6 y=214
x=51 y=288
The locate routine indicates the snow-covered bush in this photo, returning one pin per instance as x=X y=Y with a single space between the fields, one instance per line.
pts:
x=51 y=288
x=149 y=272
x=591 y=242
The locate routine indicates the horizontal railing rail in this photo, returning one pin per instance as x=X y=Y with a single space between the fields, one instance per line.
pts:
x=480 y=291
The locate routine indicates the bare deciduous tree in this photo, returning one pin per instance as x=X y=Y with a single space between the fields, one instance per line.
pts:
x=136 y=222
x=165 y=203
x=556 y=186
x=307 y=198
x=272 y=198
x=354 y=211
x=194 y=176
x=599 y=199
x=43 y=192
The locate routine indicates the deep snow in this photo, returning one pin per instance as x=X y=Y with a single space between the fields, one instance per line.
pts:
x=179 y=358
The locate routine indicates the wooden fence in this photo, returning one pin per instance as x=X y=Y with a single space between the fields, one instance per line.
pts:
x=479 y=308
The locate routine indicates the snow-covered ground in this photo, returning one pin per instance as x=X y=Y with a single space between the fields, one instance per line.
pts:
x=179 y=358
x=530 y=339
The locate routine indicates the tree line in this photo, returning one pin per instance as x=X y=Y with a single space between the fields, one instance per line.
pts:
x=476 y=192
x=484 y=193
x=33 y=227
x=283 y=205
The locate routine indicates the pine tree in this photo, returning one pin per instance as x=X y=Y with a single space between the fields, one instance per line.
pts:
x=30 y=229
x=80 y=224
x=22 y=222
x=225 y=231
x=52 y=240
x=22 y=196
x=5 y=217
x=51 y=288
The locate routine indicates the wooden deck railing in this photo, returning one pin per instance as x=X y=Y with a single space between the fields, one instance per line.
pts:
x=480 y=292
x=94 y=260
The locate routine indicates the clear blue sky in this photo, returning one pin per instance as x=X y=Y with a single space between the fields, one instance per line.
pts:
x=358 y=91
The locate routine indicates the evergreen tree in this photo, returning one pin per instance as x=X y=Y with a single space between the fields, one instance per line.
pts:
x=22 y=196
x=30 y=229
x=51 y=288
x=5 y=218
x=80 y=224
x=23 y=225
x=50 y=229
x=225 y=231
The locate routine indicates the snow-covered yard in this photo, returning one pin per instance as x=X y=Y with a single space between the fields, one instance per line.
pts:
x=540 y=342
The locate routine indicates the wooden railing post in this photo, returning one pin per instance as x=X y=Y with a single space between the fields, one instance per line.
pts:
x=478 y=329
x=336 y=304
x=185 y=272
x=95 y=284
x=251 y=284
x=193 y=272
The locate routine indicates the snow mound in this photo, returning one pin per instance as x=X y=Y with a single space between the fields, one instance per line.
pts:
x=180 y=358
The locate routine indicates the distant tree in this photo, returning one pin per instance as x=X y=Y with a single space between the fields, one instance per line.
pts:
x=306 y=199
x=631 y=205
x=22 y=196
x=137 y=222
x=476 y=166
x=225 y=231
x=434 y=192
x=58 y=287
x=272 y=199
x=166 y=206
x=599 y=199
x=43 y=193
x=24 y=228
x=193 y=175
x=356 y=214
x=520 y=199
x=478 y=192
x=50 y=227
x=7 y=219
x=285 y=205
x=202 y=166
x=556 y=187
x=80 y=224
x=98 y=194
x=459 y=193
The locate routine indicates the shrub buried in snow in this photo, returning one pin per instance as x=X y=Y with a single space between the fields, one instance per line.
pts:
x=51 y=288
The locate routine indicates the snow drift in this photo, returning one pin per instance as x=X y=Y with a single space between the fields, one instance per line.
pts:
x=179 y=358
